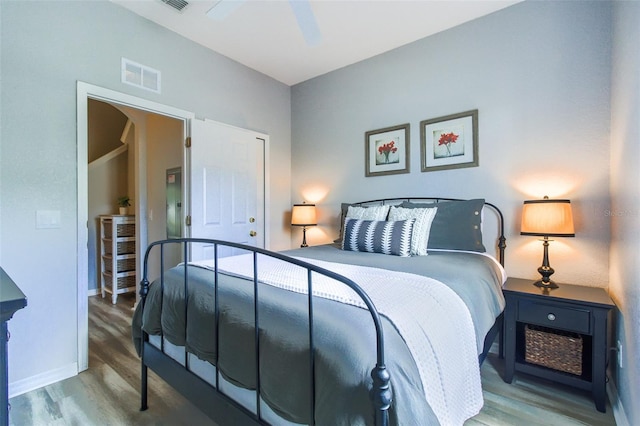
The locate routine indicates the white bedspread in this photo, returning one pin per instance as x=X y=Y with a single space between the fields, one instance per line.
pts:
x=432 y=319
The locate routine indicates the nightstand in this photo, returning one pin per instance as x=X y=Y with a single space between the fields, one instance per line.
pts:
x=559 y=335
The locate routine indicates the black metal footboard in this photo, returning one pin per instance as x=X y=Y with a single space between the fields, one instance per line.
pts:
x=216 y=404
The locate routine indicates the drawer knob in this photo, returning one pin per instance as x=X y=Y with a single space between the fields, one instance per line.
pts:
x=551 y=317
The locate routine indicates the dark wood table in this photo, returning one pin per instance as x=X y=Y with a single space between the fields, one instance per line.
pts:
x=12 y=299
x=575 y=309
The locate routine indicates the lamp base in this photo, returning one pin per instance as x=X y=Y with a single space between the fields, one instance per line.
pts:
x=304 y=237
x=548 y=285
x=545 y=269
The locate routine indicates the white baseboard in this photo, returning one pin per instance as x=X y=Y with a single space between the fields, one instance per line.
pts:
x=94 y=292
x=618 y=410
x=35 y=382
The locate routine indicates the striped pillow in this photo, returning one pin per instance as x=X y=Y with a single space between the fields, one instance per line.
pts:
x=378 y=236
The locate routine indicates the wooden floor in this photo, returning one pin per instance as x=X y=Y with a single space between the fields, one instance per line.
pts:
x=108 y=392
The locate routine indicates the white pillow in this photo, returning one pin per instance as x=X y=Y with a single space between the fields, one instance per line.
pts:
x=368 y=213
x=421 y=229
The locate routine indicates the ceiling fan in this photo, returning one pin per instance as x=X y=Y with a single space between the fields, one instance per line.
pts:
x=301 y=9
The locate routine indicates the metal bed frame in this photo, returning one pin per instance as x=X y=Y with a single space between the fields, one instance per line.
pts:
x=222 y=408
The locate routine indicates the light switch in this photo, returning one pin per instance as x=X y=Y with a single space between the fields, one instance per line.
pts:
x=48 y=219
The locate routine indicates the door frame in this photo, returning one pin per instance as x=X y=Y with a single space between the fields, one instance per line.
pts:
x=86 y=91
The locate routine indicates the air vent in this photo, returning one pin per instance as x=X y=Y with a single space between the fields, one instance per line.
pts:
x=139 y=75
x=176 y=4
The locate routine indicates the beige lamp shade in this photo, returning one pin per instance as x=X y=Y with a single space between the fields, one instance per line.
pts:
x=303 y=215
x=552 y=218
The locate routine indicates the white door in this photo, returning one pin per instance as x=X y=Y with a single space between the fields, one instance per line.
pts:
x=227 y=186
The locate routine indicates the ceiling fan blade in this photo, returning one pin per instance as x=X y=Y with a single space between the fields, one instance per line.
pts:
x=306 y=21
x=224 y=8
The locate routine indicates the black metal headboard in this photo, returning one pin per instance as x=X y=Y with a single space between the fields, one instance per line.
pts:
x=500 y=241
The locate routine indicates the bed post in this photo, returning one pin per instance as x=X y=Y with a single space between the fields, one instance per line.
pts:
x=502 y=241
x=381 y=394
x=144 y=290
x=502 y=245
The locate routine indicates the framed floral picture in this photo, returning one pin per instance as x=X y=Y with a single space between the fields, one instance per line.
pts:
x=449 y=142
x=387 y=151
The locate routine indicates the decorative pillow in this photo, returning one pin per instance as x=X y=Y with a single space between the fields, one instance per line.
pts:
x=456 y=226
x=421 y=228
x=378 y=236
x=368 y=213
x=357 y=212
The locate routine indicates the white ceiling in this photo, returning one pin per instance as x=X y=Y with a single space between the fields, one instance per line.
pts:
x=264 y=34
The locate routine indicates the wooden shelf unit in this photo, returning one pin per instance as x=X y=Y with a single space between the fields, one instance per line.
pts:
x=118 y=255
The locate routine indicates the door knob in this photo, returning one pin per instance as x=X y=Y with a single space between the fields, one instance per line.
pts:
x=252 y=219
x=253 y=233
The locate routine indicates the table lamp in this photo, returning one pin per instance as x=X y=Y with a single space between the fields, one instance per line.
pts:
x=304 y=215
x=547 y=218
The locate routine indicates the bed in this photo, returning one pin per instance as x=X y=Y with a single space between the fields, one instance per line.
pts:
x=337 y=343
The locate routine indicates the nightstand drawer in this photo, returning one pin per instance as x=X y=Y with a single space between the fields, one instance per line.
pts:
x=553 y=316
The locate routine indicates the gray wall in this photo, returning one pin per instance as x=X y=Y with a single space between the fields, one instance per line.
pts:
x=539 y=74
x=46 y=48
x=625 y=200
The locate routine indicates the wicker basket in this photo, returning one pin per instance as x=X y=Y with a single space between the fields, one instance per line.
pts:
x=123 y=265
x=554 y=349
x=126 y=282
x=126 y=230
x=126 y=247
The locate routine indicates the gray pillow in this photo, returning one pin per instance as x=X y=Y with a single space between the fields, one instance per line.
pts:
x=457 y=225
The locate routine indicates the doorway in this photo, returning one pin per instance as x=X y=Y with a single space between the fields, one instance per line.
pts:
x=115 y=134
x=150 y=178
x=135 y=108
